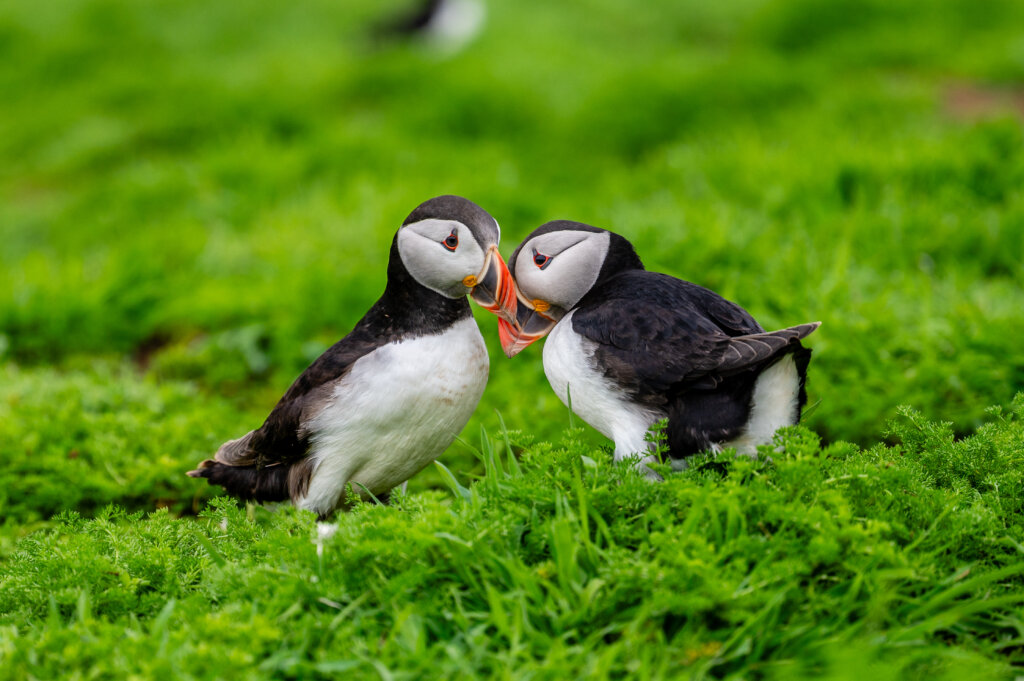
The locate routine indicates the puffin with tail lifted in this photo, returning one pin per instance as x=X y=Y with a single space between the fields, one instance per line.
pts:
x=628 y=348
x=392 y=395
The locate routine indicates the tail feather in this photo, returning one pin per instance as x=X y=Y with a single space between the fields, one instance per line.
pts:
x=743 y=352
x=246 y=482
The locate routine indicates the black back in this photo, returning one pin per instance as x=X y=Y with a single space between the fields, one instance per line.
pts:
x=658 y=336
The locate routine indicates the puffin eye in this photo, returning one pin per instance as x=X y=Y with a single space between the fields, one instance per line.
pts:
x=541 y=260
x=451 y=242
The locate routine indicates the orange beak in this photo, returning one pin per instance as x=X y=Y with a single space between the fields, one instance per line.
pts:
x=534 y=320
x=494 y=289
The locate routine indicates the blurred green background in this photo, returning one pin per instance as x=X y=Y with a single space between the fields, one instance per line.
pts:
x=196 y=199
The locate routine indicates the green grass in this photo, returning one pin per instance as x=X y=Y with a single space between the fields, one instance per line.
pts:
x=904 y=558
x=197 y=199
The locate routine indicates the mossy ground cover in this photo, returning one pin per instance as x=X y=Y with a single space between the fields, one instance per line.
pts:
x=197 y=199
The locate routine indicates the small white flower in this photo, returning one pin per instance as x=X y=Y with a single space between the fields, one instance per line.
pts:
x=325 y=531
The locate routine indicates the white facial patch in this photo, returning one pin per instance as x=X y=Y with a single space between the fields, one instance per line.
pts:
x=575 y=261
x=422 y=249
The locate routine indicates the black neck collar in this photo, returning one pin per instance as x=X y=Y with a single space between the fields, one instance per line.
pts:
x=408 y=308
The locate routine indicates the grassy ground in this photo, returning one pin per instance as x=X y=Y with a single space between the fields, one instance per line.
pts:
x=197 y=199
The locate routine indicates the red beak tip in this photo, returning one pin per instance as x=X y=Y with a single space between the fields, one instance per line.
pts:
x=508 y=337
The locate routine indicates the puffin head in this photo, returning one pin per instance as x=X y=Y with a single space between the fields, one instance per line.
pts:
x=554 y=267
x=450 y=245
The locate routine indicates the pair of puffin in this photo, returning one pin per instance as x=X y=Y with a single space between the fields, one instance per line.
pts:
x=628 y=347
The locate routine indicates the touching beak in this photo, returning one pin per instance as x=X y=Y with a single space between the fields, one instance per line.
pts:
x=534 y=320
x=493 y=289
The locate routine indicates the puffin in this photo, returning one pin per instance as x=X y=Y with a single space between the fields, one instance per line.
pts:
x=627 y=348
x=448 y=25
x=387 y=399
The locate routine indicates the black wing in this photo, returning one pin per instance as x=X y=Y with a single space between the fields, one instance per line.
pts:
x=283 y=439
x=657 y=335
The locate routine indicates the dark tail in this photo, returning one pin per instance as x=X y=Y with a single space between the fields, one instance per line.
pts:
x=246 y=482
x=742 y=353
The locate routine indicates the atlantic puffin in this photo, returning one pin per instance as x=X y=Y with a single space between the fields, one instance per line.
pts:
x=628 y=348
x=448 y=25
x=391 y=396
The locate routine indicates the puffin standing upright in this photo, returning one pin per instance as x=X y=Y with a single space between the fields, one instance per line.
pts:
x=388 y=398
x=632 y=347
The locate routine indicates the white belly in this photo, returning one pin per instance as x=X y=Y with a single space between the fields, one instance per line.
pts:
x=396 y=411
x=572 y=373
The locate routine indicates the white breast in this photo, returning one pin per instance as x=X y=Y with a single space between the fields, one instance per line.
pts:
x=571 y=370
x=396 y=410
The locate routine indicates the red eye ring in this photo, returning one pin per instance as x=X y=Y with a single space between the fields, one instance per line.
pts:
x=541 y=260
x=451 y=242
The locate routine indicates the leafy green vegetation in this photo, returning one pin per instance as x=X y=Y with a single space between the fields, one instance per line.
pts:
x=197 y=199
x=561 y=564
x=83 y=440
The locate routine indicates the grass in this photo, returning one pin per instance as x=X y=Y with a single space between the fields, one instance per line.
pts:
x=196 y=200
x=903 y=558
